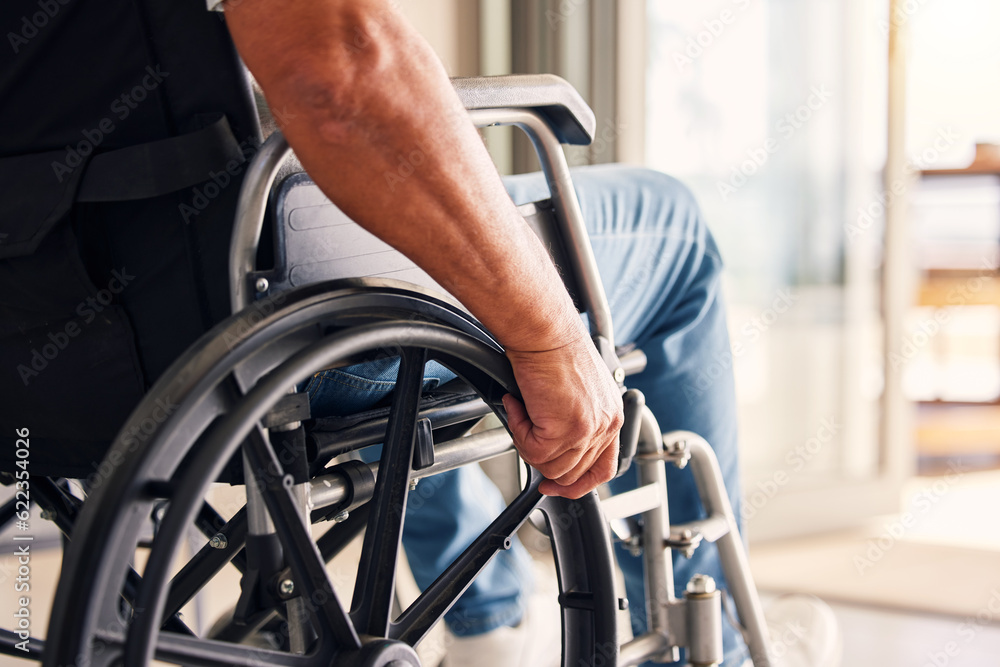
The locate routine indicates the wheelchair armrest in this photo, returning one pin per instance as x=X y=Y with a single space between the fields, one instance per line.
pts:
x=567 y=114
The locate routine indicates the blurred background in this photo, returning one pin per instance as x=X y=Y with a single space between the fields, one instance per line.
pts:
x=844 y=153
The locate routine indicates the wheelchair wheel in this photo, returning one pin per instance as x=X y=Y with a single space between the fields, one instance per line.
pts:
x=213 y=402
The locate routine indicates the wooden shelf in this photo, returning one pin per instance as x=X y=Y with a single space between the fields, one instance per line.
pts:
x=946 y=430
x=955 y=289
x=974 y=170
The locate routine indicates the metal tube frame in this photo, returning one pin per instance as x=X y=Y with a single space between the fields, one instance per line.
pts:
x=661 y=642
x=566 y=207
x=332 y=489
x=657 y=557
x=667 y=629
x=264 y=168
x=732 y=553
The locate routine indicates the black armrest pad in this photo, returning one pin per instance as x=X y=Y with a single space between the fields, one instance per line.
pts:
x=569 y=116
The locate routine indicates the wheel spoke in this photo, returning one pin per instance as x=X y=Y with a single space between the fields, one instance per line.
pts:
x=209 y=522
x=330 y=544
x=207 y=563
x=373 y=590
x=414 y=623
x=304 y=558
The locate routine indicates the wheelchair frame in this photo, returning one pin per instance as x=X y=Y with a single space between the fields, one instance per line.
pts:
x=694 y=621
x=673 y=623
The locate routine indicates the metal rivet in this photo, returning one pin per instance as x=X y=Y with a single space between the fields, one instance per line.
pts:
x=261 y=285
x=499 y=541
x=218 y=541
x=342 y=517
x=413 y=484
x=286 y=587
x=619 y=374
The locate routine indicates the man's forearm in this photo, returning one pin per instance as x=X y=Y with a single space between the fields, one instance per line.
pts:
x=363 y=95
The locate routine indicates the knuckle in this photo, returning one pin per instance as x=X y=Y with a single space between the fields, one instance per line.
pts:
x=530 y=458
x=567 y=480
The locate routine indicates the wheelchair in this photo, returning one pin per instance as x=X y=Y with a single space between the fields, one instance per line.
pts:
x=229 y=409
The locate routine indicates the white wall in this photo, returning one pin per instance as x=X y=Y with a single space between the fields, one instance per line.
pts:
x=451 y=27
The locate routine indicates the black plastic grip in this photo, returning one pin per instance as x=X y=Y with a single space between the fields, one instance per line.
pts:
x=633 y=402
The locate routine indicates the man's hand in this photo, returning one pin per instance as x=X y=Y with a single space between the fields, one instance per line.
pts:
x=567 y=428
x=363 y=94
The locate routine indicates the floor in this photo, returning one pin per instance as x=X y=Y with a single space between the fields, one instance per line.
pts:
x=873 y=635
x=890 y=613
x=878 y=638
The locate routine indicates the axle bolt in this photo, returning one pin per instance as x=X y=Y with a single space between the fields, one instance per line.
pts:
x=701 y=584
x=218 y=541
x=342 y=517
x=413 y=484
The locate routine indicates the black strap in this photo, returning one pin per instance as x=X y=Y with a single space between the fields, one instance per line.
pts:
x=158 y=167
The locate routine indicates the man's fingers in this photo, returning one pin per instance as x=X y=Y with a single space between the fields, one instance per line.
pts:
x=533 y=451
x=601 y=471
x=582 y=487
x=585 y=461
x=517 y=418
x=569 y=464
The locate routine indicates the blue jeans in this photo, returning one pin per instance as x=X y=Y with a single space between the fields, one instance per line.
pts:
x=661 y=271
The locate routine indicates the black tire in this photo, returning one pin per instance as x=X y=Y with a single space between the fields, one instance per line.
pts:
x=193 y=421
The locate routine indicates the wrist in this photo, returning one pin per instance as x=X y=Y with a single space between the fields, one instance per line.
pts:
x=544 y=332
